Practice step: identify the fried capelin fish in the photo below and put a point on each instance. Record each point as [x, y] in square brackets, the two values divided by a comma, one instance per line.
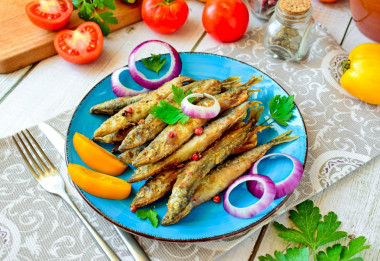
[194, 171]
[223, 175]
[140, 109]
[129, 155]
[197, 144]
[152, 125]
[161, 184]
[115, 105]
[163, 145]
[114, 138]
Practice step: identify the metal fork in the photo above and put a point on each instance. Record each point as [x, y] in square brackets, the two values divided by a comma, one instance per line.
[50, 179]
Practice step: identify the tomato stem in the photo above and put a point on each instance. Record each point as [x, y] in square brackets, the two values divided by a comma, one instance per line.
[166, 2]
[346, 65]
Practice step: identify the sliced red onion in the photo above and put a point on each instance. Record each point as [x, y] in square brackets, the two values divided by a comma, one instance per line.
[195, 111]
[284, 187]
[120, 89]
[152, 84]
[256, 208]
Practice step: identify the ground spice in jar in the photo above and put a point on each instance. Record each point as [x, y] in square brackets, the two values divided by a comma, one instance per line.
[288, 28]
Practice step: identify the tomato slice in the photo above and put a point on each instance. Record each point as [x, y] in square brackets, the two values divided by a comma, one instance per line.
[82, 45]
[49, 14]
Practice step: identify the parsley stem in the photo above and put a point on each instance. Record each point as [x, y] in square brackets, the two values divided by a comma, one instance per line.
[266, 120]
[314, 254]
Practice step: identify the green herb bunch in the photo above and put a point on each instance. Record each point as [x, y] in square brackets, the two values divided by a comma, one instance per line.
[88, 12]
[314, 232]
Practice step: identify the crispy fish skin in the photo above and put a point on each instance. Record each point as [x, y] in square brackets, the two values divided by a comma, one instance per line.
[194, 171]
[251, 140]
[115, 105]
[153, 125]
[115, 137]
[129, 155]
[196, 144]
[223, 175]
[163, 146]
[140, 109]
[162, 183]
[155, 188]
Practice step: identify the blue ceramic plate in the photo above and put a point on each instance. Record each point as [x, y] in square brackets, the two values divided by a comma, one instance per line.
[209, 221]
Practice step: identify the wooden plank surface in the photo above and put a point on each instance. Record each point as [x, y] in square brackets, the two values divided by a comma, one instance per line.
[22, 43]
[355, 200]
[55, 85]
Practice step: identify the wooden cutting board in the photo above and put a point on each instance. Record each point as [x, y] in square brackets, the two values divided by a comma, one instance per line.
[22, 43]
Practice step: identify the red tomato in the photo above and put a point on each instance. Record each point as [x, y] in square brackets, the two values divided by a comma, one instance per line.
[225, 20]
[164, 16]
[49, 14]
[83, 45]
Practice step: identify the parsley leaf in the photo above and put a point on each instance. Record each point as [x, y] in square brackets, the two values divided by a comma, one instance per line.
[88, 12]
[179, 95]
[308, 220]
[355, 246]
[150, 214]
[280, 108]
[76, 3]
[168, 113]
[292, 254]
[313, 232]
[154, 63]
[332, 253]
[341, 253]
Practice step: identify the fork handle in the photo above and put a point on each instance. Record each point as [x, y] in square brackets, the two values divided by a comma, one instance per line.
[107, 250]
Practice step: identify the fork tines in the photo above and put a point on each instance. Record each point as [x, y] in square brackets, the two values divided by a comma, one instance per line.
[37, 167]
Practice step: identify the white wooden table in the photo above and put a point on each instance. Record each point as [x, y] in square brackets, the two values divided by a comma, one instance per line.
[45, 89]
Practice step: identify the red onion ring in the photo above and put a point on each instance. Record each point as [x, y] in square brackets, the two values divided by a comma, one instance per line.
[256, 208]
[284, 187]
[174, 70]
[120, 89]
[195, 111]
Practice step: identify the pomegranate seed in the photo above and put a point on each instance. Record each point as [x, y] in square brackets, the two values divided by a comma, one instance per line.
[128, 110]
[216, 199]
[133, 208]
[198, 131]
[171, 134]
[195, 157]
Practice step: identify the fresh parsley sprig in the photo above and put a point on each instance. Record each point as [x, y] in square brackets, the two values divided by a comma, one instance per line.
[280, 109]
[291, 254]
[154, 63]
[312, 233]
[167, 112]
[88, 12]
[149, 214]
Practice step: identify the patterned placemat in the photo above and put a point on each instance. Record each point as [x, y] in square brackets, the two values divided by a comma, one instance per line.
[343, 134]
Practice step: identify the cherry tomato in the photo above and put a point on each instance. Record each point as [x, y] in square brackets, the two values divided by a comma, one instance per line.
[164, 16]
[225, 20]
[49, 14]
[83, 45]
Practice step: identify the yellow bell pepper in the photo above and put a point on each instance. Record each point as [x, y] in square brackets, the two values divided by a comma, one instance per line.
[361, 73]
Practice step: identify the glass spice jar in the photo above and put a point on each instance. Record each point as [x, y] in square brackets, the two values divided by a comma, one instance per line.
[262, 9]
[289, 30]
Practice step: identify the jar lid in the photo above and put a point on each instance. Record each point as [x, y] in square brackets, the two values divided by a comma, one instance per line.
[295, 7]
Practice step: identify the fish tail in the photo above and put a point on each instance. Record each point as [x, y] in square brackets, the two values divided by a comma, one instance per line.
[254, 80]
[282, 138]
[231, 79]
